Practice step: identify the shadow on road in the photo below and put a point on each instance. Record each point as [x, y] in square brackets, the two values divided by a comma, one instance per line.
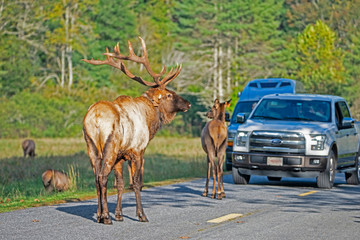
[176, 196]
[284, 194]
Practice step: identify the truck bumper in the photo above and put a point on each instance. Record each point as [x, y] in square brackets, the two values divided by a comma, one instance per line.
[279, 165]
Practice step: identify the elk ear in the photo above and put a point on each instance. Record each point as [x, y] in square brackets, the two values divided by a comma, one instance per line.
[216, 103]
[227, 104]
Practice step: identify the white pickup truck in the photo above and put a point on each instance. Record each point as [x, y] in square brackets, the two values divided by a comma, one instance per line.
[297, 135]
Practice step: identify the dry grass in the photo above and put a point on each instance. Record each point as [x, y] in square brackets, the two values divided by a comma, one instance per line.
[44, 147]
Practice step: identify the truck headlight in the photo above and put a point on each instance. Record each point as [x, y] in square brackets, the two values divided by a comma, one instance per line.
[242, 138]
[317, 141]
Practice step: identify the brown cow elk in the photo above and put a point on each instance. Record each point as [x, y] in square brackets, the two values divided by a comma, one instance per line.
[28, 147]
[55, 180]
[120, 131]
[214, 140]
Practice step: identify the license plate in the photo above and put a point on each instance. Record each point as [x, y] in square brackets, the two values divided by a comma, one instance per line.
[274, 161]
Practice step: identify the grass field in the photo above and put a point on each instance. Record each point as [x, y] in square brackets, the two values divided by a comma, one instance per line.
[166, 160]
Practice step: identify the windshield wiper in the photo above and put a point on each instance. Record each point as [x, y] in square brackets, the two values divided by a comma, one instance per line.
[299, 118]
[267, 117]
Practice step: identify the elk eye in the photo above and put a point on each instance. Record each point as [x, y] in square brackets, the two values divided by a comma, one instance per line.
[169, 95]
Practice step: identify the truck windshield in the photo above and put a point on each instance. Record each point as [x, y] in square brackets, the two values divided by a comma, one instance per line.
[243, 107]
[293, 110]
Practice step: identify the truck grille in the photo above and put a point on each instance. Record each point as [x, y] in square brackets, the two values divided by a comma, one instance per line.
[277, 142]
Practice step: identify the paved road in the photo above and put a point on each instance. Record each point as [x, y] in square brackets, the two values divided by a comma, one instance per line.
[275, 210]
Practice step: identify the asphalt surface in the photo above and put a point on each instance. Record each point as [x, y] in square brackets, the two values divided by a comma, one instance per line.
[290, 209]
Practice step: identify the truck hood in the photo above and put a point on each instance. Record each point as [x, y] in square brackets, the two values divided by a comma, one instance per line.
[288, 126]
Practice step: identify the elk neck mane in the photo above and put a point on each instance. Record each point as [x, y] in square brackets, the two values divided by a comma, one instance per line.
[165, 117]
[221, 116]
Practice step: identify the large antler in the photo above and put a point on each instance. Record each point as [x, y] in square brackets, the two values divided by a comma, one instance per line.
[114, 59]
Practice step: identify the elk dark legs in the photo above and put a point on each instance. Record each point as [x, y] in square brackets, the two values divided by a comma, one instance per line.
[120, 187]
[131, 176]
[96, 166]
[207, 178]
[131, 181]
[136, 162]
[108, 162]
[211, 157]
[220, 192]
[221, 159]
[103, 180]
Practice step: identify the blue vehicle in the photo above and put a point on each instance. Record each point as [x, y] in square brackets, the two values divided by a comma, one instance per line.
[251, 94]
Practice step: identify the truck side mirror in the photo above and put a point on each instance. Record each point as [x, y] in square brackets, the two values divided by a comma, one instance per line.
[240, 118]
[227, 117]
[347, 122]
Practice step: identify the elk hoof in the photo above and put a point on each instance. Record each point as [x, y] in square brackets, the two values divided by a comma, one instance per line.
[107, 220]
[223, 195]
[213, 196]
[99, 219]
[119, 217]
[143, 218]
[204, 194]
[219, 197]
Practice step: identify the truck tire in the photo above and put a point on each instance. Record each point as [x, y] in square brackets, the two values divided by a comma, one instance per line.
[274, 178]
[353, 177]
[239, 178]
[327, 177]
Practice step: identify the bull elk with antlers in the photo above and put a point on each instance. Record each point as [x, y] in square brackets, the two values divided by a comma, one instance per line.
[214, 140]
[120, 131]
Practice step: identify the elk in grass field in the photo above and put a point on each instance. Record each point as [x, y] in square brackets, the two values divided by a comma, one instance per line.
[28, 147]
[120, 130]
[214, 141]
[55, 180]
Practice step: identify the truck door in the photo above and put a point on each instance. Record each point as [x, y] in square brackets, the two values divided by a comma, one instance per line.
[346, 137]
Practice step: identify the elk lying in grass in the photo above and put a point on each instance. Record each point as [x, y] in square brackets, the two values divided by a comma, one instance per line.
[55, 180]
[120, 131]
[28, 147]
[213, 140]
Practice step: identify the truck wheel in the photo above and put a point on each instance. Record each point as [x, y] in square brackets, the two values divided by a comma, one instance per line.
[240, 178]
[327, 177]
[353, 177]
[274, 178]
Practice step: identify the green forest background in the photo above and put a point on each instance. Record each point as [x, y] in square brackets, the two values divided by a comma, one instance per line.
[45, 88]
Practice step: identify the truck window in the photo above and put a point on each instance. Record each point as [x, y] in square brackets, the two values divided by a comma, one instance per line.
[293, 110]
[344, 110]
[242, 107]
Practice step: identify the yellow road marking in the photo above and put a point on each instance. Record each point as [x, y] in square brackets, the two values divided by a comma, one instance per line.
[307, 193]
[228, 217]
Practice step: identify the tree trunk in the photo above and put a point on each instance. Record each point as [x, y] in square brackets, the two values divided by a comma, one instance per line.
[62, 83]
[237, 54]
[215, 71]
[69, 60]
[228, 75]
[69, 50]
[221, 90]
[67, 18]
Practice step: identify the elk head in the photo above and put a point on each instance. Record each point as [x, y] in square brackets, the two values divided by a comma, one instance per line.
[217, 111]
[163, 98]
